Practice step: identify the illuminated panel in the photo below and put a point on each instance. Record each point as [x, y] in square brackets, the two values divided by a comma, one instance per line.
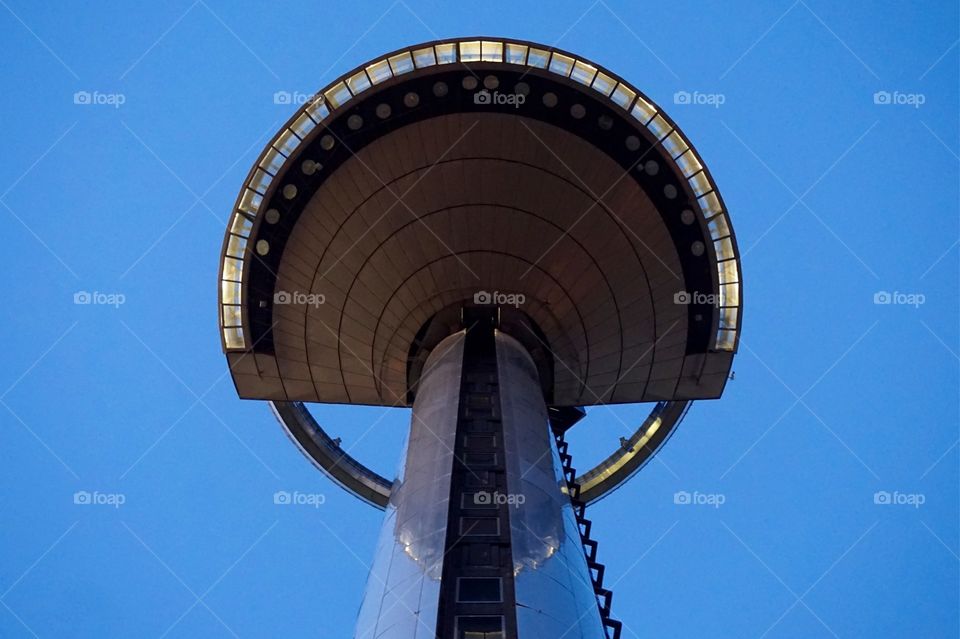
[604, 84]
[517, 53]
[623, 96]
[537, 58]
[424, 57]
[561, 64]
[231, 285]
[469, 51]
[491, 51]
[643, 111]
[583, 72]
[358, 83]
[401, 63]
[446, 53]
[379, 71]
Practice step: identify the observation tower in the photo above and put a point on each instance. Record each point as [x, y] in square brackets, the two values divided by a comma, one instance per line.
[497, 234]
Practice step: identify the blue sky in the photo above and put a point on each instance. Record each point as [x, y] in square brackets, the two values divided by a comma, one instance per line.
[834, 198]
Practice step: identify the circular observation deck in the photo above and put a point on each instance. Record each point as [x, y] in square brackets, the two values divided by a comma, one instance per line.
[480, 172]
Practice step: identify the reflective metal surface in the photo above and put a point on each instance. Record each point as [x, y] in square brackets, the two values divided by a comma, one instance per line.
[327, 455]
[365, 484]
[633, 452]
[554, 592]
[403, 588]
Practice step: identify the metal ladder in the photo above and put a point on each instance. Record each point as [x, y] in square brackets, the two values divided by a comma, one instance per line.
[612, 627]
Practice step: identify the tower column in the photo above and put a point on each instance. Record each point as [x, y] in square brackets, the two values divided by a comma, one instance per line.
[479, 538]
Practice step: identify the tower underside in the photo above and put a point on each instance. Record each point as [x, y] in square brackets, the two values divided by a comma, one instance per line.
[490, 172]
[480, 537]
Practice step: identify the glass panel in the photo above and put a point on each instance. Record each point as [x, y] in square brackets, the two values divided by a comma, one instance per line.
[232, 269]
[675, 144]
[469, 51]
[241, 225]
[700, 183]
[272, 161]
[446, 53]
[260, 181]
[604, 83]
[689, 163]
[337, 94]
[401, 63]
[230, 292]
[561, 64]
[730, 294]
[709, 204]
[492, 51]
[236, 246]
[623, 96]
[727, 271]
[358, 83]
[424, 57]
[718, 227]
[659, 127]
[233, 337]
[379, 71]
[538, 58]
[724, 248]
[517, 53]
[643, 110]
[728, 317]
[725, 340]
[318, 109]
[303, 125]
[231, 315]
[583, 72]
[250, 202]
[287, 142]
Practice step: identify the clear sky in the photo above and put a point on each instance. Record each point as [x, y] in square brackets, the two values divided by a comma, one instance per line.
[835, 195]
